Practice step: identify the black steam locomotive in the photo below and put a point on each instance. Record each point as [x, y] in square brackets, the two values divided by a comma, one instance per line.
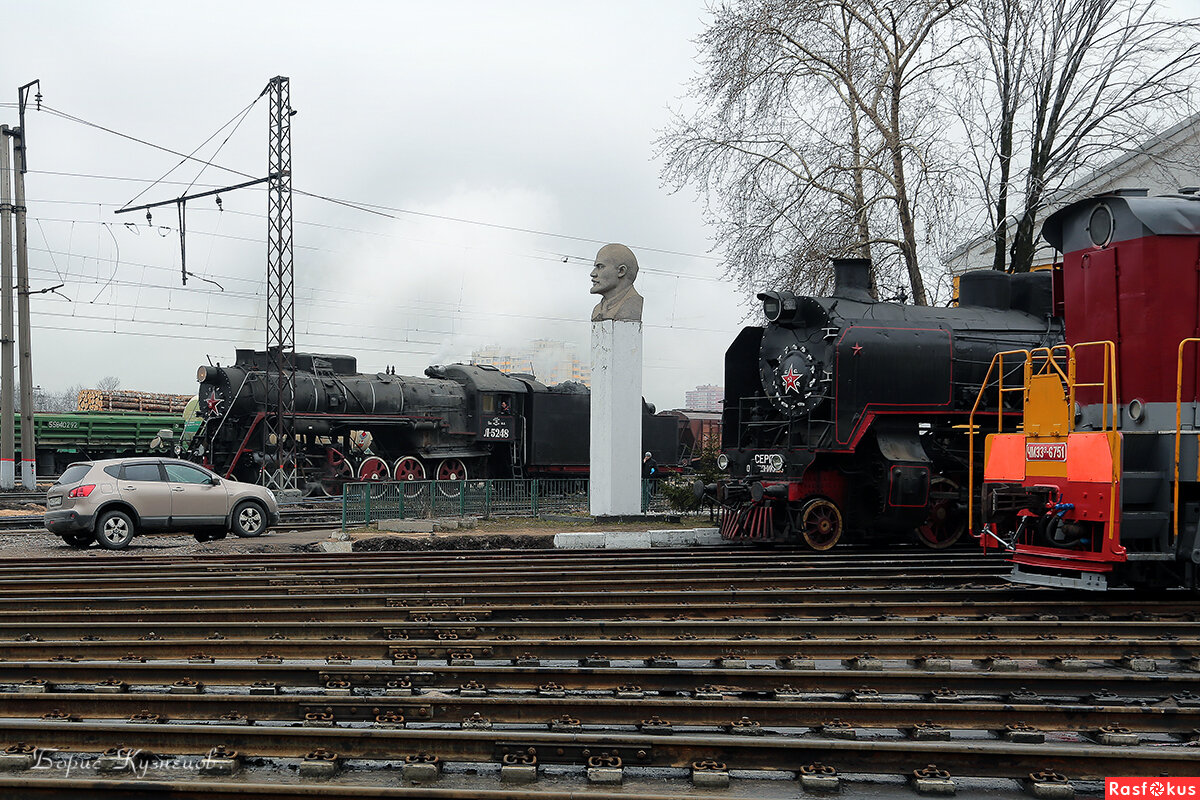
[847, 415]
[456, 423]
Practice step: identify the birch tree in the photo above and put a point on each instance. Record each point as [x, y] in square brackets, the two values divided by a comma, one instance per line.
[1066, 86]
[814, 134]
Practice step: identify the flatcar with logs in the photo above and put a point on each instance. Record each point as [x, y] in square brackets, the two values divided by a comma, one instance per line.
[845, 417]
[1100, 484]
[457, 422]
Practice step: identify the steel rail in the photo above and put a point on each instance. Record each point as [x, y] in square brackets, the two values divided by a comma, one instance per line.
[801, 602]
[641, 605]
[157, 788]
[498, 570]
[734, 627]
[615, 648]
[526, 558]
[966, 714]
[971, 757]
[1139, 687]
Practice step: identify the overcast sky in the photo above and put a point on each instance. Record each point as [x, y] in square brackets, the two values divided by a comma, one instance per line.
[539, 116]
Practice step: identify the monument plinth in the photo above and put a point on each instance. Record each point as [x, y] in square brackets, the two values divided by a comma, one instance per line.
[616, 404]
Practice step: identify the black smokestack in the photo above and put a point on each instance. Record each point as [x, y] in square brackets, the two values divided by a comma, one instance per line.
[852, 279]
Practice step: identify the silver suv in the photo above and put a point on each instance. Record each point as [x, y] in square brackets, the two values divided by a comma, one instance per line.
[110, 501]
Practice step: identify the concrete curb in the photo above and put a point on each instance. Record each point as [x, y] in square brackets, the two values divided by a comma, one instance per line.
[685, 537]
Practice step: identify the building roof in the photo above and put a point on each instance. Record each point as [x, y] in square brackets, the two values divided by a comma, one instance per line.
[1152, 165]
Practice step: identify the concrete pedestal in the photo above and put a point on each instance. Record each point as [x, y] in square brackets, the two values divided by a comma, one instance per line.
[616, 435]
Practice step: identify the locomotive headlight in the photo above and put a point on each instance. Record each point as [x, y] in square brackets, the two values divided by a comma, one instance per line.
[202, 375]
[778, 307]
[722, 461]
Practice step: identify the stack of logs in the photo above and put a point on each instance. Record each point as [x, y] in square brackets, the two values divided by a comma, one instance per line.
[120, 400]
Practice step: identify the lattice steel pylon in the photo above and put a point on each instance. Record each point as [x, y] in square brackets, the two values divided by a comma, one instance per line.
[279, 439]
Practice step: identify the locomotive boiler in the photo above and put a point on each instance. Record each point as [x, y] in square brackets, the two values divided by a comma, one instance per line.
[454, 423]
[846, 416]
[1100, 486]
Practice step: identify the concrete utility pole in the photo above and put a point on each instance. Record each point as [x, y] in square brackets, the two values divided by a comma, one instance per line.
[7, 432]
[28, 444]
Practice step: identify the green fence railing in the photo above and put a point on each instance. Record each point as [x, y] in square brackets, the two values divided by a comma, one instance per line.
[368, 502]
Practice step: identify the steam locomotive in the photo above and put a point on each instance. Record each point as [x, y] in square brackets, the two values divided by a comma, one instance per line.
[847, 416]
[1101, 484]
[456, 423]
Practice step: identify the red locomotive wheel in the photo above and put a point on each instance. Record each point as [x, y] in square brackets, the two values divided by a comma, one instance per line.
[409, 468]
[451, 470]
[335, 472]
[374, 469]
[820, 524]
[947, 518]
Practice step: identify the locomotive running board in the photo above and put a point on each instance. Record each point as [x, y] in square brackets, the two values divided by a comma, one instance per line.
[1088, 581]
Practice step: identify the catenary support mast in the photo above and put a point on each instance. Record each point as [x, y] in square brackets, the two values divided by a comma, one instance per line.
[279, 428]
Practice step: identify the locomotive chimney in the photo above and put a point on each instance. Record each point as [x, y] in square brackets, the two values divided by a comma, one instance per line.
[852, 279]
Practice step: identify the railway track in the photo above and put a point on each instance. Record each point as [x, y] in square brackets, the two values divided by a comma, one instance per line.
[674, 672]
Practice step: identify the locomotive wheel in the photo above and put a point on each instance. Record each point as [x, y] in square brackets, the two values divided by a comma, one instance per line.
[374, 469]
[451, 470]
[947, 518]
[409, 469]
[335, 472]
[820, 524]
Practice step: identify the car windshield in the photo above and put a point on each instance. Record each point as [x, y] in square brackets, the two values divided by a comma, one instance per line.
[73, 474]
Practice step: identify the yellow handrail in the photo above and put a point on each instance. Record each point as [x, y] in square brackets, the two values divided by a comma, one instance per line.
[1050, 361]
[1178, 425]
[997, 361]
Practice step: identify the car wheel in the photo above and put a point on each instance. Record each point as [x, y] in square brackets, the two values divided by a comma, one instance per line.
[80, 540]
[114, 531]
[249, 519]
[209, 536]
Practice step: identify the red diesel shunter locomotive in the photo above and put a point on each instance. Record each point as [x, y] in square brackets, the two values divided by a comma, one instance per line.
[1099, 485]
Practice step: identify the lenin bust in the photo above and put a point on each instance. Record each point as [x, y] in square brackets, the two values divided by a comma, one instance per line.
[612, 279]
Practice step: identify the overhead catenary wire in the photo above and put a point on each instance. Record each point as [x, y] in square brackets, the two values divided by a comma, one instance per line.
[542, 256]
[370, 208]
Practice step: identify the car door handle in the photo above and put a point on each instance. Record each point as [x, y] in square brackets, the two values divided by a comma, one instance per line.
[131, 488]
[176, 488]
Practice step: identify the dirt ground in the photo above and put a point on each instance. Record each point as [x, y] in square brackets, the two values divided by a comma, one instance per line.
[489, 534]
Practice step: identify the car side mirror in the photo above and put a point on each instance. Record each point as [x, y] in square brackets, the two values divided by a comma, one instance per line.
[215, 481]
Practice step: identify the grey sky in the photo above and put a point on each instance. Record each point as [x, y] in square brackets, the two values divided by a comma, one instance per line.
[539, 116]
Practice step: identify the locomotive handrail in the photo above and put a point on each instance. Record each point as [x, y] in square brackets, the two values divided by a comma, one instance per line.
[1108, 402]
[997, 362]
[1178, 425]
[1109, 357]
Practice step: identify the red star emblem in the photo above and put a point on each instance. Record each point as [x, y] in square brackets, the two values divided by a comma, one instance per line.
[212, 402]
[857, 349]
[791, 379]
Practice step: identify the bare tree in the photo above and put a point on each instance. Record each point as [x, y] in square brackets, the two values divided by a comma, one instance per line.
[1074, 83]
[109, 383]
[815, 133]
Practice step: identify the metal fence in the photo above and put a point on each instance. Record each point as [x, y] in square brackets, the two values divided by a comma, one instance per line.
[365, 503]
